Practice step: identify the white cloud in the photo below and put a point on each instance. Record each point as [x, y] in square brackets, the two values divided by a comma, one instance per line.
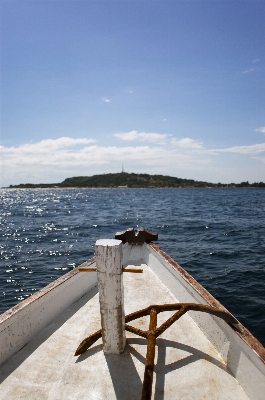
[248, 70]
[63, 152]
[45, 146]
[187, 143]
[255, 61]
[106, 100]
[52, 160]
[143, 137]
[49, 160]
[252, 149]
[261, 129]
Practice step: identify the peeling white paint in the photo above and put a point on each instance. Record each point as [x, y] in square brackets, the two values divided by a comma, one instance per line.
[111, 296]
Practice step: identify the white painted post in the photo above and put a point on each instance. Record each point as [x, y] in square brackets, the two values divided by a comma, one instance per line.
[110, 287]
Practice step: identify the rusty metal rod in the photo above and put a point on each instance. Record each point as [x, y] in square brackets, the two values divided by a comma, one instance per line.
[177, 306]
[170, 321]
[94, 269]
[134, 270]
[137, 314]
[136, 331]
[87, 342]
[150, 357]
[195, 307]
[182, 307]
[212, 310]
[87, 269]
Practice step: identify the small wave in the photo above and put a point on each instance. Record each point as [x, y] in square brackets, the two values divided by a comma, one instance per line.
[217, 236]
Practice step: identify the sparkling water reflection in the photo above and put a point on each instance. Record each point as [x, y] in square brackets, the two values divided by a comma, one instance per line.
[217, 235]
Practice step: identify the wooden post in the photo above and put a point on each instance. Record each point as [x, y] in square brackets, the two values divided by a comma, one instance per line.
[110, 287]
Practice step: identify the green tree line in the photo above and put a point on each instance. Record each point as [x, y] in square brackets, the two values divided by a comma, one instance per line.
[134, 181]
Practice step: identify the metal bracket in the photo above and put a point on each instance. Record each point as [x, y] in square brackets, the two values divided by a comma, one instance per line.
[94, 269]
[142, 236]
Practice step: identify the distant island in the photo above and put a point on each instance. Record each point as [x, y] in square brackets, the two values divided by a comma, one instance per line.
[132, 180]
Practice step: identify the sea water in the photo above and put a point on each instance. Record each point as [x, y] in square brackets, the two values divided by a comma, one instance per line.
[217, 235]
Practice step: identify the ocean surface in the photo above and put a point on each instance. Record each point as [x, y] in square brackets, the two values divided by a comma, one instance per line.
[217, 235]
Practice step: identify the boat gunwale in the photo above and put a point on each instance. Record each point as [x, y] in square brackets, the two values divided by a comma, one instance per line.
[239, 329]
[40, 293]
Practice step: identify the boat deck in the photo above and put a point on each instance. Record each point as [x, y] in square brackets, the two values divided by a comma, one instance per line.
[187, 366]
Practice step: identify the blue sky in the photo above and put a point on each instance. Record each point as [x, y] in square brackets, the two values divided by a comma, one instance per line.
[162, 87]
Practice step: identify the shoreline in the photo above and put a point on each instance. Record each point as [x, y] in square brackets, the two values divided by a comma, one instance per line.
[133, 187]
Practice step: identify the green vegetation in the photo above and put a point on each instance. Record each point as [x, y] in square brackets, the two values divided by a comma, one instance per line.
[129, 180]
[132, 180]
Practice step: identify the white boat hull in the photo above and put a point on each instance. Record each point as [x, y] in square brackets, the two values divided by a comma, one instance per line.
[200, 356]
